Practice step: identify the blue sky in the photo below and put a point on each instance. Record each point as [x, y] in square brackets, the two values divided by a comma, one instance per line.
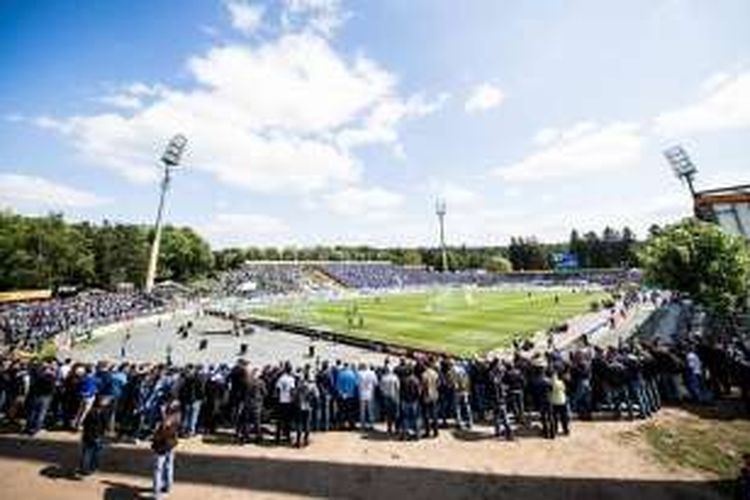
[326, 121]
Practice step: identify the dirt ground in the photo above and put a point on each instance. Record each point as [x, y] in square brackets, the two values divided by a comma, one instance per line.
[598, 460]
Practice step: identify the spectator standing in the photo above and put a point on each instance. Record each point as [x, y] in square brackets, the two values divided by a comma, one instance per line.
[94, 426]
[559, 401]
[163, 445]
[498, 399]
[86, 393]
[410, 396]
[430, 395]
[324, 381]
[346, 387]
[191, 397]
[253, 407]
[42, 390]
[285, 396]
[462, 405]
[694, 375]
[305, 394]
[367, 381]
[390, 390]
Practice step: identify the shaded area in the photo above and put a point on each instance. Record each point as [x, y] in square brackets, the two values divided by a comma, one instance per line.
[340, 480]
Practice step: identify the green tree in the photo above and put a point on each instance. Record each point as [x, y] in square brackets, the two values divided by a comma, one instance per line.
[498, 264]
[700, 260]
[183, 255]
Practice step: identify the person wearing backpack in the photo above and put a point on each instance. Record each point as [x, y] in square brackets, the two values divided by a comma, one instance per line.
[163, 444]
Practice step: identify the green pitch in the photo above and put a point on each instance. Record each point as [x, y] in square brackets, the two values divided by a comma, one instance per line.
[460, 321]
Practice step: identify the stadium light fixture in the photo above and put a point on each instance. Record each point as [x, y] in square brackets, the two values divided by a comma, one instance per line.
[682, 165]
[440, 210]
[170, 159]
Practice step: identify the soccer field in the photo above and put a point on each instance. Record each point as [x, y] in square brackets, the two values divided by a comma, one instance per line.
[459, 321]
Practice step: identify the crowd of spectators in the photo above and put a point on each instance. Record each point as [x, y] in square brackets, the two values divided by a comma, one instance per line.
[28, 324]
[413, 397]
[379, 275]
[265, 278]
[408, 399]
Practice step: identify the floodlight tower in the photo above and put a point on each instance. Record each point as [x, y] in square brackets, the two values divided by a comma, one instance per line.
[440, 211]
[170, 159]
[683, 167]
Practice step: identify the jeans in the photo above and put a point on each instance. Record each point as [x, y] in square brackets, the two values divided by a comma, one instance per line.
[38, 413]
[284, 422]
[478, 393]
[545, 415]
[365, 413]
[302, 426]
[83, 409]
[463, 410]
[637, 395]
[694, 384]
[90, 456]
[620, 396]
[390, 413]
[652, 391]
[190, 420]
[445, 405]
[429, 414]
[163, 473]
[410, 422]
[500, 418]
[581, 400]
[323, 410]
[515, 398]
[560, 416]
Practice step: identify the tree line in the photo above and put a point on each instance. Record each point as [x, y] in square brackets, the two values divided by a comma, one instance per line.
[612, 249]
[49, 252]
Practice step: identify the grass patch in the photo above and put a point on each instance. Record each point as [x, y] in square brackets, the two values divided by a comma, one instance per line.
[712, 446]
[459, 321]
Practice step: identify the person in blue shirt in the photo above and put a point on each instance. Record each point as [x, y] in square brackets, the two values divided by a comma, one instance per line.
[118, 380]
[87, 389]
[346, 389]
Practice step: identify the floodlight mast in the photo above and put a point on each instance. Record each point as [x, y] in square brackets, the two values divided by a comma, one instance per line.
[440, 211]
[682, 166]
[170, 159]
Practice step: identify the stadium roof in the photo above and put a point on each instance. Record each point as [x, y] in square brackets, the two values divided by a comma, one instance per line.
[729, 207]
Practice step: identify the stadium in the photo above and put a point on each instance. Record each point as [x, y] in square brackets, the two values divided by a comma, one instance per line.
[415, 250]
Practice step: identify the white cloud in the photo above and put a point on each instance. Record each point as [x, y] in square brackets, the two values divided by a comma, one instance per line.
[484, 97]
[546, 136]
[245, 16]
[374, 203]
[27, 190]
[320, 16]
[122, 101]
[584, 148]
[380, 124]
[454, 195]
[724, 104]
[278, 116]
[238, 229]
[133, 96]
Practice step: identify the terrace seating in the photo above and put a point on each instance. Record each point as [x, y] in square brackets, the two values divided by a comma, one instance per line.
[30, 323]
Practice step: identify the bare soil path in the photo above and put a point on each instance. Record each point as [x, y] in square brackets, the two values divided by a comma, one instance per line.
[598, 460]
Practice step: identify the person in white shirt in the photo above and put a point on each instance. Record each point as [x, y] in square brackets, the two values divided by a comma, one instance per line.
[390, 387]
[285, 396]
[366, 383]
[694, 376]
